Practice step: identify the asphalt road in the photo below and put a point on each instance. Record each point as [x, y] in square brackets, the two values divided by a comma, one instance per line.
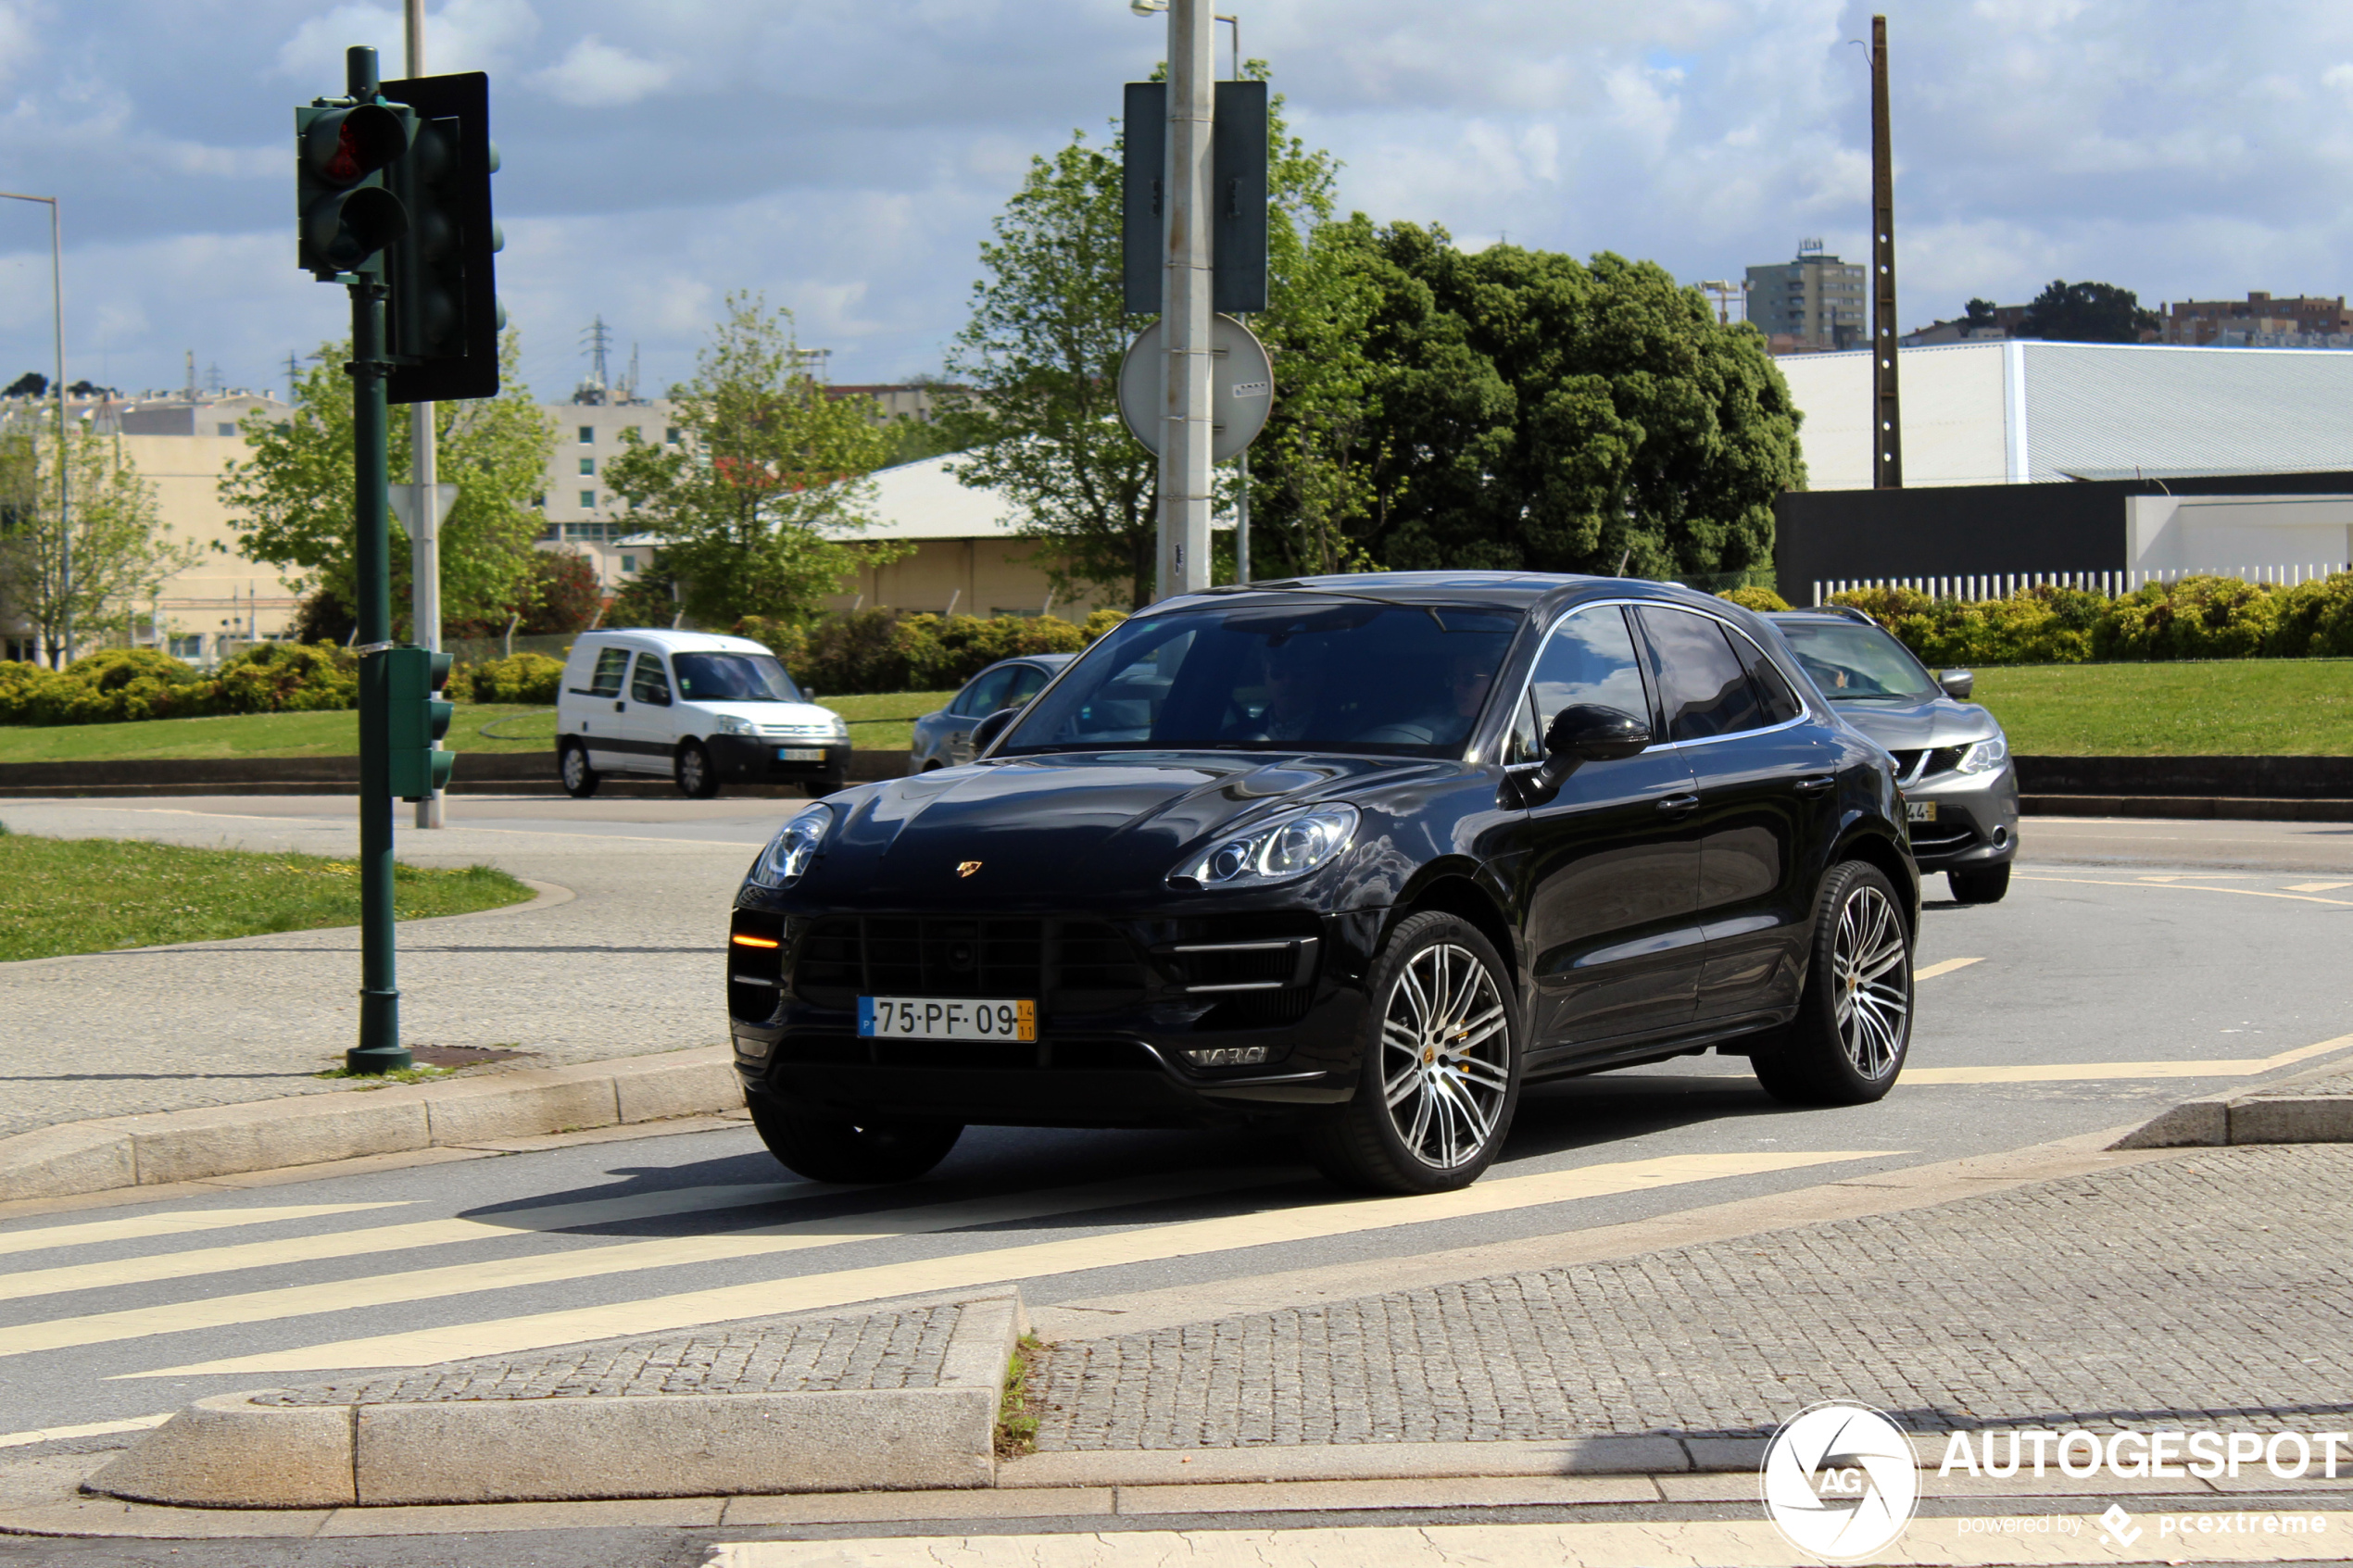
[2134, 964]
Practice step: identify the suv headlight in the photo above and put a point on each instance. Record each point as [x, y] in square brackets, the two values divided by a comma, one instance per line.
[1984, 757]
[737, 724]
[1277, 852]
[790, 853]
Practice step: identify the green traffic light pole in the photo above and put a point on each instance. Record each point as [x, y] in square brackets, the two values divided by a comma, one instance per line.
[379, 1050]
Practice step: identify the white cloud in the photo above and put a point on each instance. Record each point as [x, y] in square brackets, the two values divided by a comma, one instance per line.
[462, 35]
[595, 74]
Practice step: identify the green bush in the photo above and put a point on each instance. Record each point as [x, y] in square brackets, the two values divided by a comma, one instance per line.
[1755, 598]
[2315, 620]
[1100, 623]
[523, 677]
[877, 650]
[287, 678]
[2195, 618]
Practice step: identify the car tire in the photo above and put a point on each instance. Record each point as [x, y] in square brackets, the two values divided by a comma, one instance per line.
[580, 780]
[1854, 1024]
[828, 1148]
[696, 778]
[1985, 884]
[1432, 1105]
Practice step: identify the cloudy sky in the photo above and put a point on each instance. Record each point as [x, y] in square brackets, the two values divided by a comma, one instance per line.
[845, 156]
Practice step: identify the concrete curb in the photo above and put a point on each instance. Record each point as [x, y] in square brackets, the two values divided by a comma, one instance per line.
[2198, 808]
[230, 1452]
[2276, 1113]
[178, 1146]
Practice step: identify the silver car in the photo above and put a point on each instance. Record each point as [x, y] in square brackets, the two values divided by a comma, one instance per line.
[1960, 789]
[944, 739]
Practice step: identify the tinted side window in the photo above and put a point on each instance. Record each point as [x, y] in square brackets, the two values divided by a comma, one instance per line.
[611, 663]
[1772, 687]
[1700, 682]
[984, 697]
[1589, 657]
[650, 681]
[1027, 683]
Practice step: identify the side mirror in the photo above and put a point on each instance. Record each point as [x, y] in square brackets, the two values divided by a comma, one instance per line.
[985, 733]
[1957, 684]
[1583, 732]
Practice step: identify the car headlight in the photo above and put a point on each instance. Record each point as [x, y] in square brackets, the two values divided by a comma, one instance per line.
[1984, 757]
[737, 724]
[796, 845]
[1277, 852]
[841, 726]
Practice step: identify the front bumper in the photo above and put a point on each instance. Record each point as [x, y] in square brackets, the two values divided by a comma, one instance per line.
[1976, 819]
[1115, 1056]
[753, 760]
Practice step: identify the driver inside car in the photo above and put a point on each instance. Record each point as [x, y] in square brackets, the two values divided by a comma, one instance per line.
[1292, 671]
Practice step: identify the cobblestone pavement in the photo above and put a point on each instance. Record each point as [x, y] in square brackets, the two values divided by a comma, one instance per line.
[883, 1351]
[630, 965]
[2336, 1087]
[2197, 1289]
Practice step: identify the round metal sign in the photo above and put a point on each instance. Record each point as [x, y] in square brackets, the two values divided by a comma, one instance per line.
[1242, 387]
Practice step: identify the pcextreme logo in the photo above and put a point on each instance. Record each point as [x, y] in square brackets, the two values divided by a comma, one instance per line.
[1839, 1480]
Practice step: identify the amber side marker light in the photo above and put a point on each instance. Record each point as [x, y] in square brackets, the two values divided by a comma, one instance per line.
[742, 941]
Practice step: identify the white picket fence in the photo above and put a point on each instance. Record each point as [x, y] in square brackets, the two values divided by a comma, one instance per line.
[2002, 585]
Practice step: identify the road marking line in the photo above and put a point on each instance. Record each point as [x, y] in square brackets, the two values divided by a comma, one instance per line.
[2086, 1072]
[2316, 887]
[387, 1238]
[958, 1271]
[88, 1429]
[1948, 967]
[177, 1223]
[619, 837]
[2190, 887]
[590, 1262]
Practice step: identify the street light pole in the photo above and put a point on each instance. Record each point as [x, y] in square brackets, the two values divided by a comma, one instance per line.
[57, 308]
[424, 515]
[1185, 471]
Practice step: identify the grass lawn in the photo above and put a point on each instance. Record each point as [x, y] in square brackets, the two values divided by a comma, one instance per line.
[88, 895]
[878, 723]
[2226, 708]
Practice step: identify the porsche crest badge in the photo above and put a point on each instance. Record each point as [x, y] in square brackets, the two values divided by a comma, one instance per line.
[966, 868]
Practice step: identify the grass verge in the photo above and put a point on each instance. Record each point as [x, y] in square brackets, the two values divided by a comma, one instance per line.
[60, 896]
[884, 723]
[2223, 707]
[1017, 1423]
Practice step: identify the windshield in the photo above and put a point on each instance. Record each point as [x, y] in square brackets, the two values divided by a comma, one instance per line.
[734, 677]
[1850, 661]
[1316, 675]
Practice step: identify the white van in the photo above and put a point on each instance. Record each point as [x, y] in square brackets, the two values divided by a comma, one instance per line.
[700, 708]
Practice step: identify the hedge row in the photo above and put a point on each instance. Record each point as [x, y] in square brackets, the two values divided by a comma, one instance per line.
[877, 650]
[120, 684]
[2195, 618]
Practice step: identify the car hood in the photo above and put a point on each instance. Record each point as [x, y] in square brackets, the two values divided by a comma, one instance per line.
[1108, 821]
[1900, 724]
[767, 713]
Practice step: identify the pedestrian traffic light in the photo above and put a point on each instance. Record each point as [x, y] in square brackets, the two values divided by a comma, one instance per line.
[346, 215]
[415, 717]
[443, 318]
[1237, 197]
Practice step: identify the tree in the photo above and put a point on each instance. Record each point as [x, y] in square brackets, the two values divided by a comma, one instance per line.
[121, 552]
[1523, 411]
[1979, 313]
[32, 383]
[1042, 350]
[769, 472]
[292, 500]
[2087, 313]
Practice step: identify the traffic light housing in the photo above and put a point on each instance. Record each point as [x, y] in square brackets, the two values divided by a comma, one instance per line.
[346, 215]
[415, 717]
[443, 317]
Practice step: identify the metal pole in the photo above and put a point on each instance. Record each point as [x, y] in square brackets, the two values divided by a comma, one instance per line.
[379, 1050]
[424, 537]
[1887, 424]
[1185, 315]
[1241, 463]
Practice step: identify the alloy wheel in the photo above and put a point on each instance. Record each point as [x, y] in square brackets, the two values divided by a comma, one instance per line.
[690, 771]
[1445, 1055]
[575, 768]
[1873, 974]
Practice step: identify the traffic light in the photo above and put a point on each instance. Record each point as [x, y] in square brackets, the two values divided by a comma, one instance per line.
[346, 215]
[415, 717]
[445, 318]
[1237, 197]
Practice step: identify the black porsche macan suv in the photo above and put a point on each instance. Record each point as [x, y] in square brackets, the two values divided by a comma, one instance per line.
[1367, 853]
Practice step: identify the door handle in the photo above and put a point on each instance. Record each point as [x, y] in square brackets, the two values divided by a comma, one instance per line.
[1676, 805]
[620, 708]
[1816, 785]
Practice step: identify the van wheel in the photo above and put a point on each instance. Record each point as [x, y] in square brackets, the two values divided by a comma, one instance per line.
[835, 1149]
[572, 766]
[697, 780]
[1854, 1024]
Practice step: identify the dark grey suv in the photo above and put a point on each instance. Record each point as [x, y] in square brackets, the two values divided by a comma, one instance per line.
[1960, 789]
